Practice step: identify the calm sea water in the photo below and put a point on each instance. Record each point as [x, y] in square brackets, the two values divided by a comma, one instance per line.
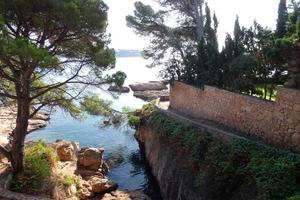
[132, 173]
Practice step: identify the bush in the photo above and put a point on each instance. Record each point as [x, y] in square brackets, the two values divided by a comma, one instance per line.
[68, 180]
[118, 78]
[133, 121]
[42, 151]
[39, 159]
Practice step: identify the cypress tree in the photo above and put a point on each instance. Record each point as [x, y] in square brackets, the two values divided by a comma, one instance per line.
[282, 19]
[237, 29]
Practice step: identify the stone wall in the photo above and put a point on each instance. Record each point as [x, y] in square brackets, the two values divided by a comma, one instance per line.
[277, 122]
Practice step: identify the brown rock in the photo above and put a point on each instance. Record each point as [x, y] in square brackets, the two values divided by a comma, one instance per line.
[152, 95]
[66, 150]
[90, 158]
[154, 85]
[102, 185]
[85, 191]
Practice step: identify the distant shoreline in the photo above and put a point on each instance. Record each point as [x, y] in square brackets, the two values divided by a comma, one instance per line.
[123, 53]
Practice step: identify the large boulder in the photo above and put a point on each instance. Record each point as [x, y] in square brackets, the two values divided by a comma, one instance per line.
[66, 151]
[85, 191]
[155, 85]
[90, 158]
[101, 185]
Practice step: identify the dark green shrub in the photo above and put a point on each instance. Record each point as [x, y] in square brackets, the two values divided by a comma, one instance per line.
[276, 176]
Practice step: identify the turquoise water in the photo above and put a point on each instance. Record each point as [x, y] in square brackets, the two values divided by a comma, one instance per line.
[132, 173]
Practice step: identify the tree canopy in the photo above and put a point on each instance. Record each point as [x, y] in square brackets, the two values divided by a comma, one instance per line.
[251, 61]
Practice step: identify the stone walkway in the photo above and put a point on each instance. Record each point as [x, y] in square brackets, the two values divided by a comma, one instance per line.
[201, 124]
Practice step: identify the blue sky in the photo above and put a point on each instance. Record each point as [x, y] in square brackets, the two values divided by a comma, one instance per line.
[264, 11]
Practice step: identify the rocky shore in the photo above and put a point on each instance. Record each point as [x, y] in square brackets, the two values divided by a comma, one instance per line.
[150, 91]
[8, 122]
[92, 169]
[87, 166]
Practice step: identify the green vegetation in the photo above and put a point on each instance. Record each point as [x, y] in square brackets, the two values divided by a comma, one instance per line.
[67, 181]
[39, 160]
[118, 78]
[133, 121]
[222, 166]
[93, 105]
[269, 93]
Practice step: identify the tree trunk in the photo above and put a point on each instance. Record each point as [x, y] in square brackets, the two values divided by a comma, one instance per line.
[20, 131]
[19, 134]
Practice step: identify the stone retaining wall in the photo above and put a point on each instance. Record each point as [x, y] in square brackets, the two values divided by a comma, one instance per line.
[274, 122]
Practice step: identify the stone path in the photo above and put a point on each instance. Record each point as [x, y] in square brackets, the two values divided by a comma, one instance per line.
[202, 124]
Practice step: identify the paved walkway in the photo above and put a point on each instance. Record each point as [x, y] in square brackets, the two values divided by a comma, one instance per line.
[202, 124]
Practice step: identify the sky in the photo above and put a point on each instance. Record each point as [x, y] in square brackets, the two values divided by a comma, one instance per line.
[264, 11]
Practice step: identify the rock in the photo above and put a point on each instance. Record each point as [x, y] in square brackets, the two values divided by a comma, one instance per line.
[8, 120]
[105, 168]
[119, 89]
[85, 191]
[34, 124]
[86, 173]
[114, 159]
[154, 85]
[66, 150]
[42, 116]
[90, 158]
[125, 195]
[65, 153]
[102, 185]
[72, 190]
[152, 95]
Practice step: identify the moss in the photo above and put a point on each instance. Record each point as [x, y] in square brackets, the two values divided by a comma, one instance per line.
[224, 165]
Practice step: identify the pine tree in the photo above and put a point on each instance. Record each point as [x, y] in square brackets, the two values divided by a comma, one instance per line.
[282, 19]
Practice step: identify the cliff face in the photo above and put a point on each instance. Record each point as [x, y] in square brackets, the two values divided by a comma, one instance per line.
[195, 166]
[169, 165]
[190, 163]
